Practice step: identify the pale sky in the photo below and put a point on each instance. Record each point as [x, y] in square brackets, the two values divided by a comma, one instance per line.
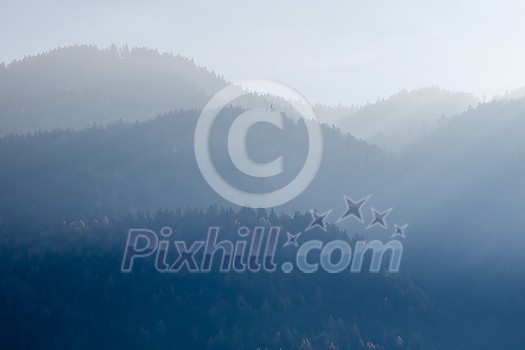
[330, 51]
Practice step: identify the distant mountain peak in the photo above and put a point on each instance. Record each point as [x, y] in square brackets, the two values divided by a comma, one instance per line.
[398, 121]
[78, 85]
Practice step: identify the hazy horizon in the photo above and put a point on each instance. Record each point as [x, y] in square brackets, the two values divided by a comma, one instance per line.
[348, 53]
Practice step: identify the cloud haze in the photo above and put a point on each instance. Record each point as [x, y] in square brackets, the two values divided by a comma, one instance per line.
[345, 51]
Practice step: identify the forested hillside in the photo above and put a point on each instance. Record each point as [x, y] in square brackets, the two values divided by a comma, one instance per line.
[59, 281]
[396, 123]
[76, 87]
[98, 142]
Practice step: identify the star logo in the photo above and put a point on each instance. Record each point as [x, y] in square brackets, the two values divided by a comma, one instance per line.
[379, 218]
[318, 220]
[399, 231]
[353, 208]
[292, 239]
